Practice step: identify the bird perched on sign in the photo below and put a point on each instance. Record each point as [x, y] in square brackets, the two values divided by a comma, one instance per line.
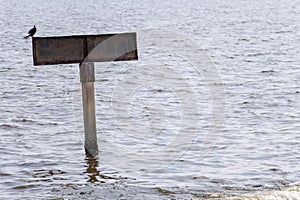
[31, 32]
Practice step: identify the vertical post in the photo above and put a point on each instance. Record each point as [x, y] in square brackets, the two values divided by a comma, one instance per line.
[87, 78]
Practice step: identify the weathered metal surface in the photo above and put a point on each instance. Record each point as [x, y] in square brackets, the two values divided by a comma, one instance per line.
[112, 48]
[58, 50]
[88, 101]
[89, 48]
[87, 72]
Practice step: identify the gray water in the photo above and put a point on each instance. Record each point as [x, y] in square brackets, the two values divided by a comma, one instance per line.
[254, 45]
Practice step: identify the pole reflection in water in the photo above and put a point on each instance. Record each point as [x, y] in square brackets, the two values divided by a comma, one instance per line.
[92, 168]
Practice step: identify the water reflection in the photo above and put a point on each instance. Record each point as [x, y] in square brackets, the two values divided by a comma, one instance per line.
[92, 168]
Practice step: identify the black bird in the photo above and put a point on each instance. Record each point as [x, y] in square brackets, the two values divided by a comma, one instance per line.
[31, 32]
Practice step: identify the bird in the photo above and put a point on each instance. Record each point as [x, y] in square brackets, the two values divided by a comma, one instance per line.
[31, 32]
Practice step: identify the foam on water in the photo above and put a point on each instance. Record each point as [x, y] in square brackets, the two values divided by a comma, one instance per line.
[288, 192]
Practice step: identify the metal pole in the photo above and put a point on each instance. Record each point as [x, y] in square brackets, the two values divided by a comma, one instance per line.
[87, 78]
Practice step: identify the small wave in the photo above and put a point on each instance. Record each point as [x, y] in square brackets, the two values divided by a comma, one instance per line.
[22, 120]
[8, 126]
[267, 71]
[23, 187]
[46, 173]
[290, 192]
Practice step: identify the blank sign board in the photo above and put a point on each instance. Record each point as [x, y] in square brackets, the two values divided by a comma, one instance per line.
[88, 48]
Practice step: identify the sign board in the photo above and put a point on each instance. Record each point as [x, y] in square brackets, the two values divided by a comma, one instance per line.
[89, 48]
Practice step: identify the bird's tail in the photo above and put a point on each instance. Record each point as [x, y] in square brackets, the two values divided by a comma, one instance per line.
[26, 37]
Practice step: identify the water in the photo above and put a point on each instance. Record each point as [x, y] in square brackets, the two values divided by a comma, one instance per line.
[255, 47]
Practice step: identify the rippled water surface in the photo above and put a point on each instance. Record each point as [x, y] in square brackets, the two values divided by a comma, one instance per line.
[254, 46]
